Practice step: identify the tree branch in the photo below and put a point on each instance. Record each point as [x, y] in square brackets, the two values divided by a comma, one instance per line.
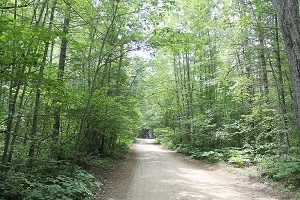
[12, 7]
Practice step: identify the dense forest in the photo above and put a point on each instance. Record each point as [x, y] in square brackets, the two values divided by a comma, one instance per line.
[217, 80]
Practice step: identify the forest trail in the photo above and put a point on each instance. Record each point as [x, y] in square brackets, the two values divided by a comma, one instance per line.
[151, 172]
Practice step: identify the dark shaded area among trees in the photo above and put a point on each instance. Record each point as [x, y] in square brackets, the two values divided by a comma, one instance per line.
[218, 80]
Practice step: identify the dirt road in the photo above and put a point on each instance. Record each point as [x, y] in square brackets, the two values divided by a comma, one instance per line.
[154, 173]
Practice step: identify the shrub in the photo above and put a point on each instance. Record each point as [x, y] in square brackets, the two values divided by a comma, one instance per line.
[282, 168]
[38, 185]
[211, 156]
[236, 157]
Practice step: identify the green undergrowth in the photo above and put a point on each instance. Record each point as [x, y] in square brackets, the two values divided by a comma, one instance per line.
[284, 169]
[49, 180]
[238, 157]
[106, 158]
[235, 156]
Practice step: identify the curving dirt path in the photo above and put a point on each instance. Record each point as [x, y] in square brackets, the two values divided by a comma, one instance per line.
[151, 172]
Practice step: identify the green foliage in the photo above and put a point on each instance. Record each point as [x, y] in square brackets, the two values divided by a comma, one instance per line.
[165, 136]
[233, 156]
[120, 149]
[163, 132]
[110, 126]
[238, 157]
[211, 156]
[282, 168]
[206, 92]
[40, 184]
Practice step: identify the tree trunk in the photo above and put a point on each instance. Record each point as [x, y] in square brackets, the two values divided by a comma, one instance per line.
[60, 75]
[37, 106]
[11, 105]
[18, 121]
[189, 99]
[263, 61]
[177, 91]
[281, 93]
[288, 18]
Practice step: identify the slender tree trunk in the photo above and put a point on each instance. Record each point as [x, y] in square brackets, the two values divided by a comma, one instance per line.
[18, 120]
[282, 110]
[12, 99]
[37, 106]
[177, 91]
[9, 125]
[189, 97]
[280, 87]
[181, 86]
[119, 77]
[60, 75]
[89, 68]
[2, 96]
[288, 18]
[262, 57]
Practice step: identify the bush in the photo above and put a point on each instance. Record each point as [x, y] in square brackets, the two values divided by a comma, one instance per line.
[282, 168]
[238, 157]
[38, 185]
[165, 141]
[182, 148]
[165, 137]
[212, 156]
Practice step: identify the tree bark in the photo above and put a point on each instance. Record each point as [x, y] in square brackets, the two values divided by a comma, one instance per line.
[60, 75]
[289, 21]
[189, 99]
[281, 93]
[12, 105]
[37, 106]
[263, 61]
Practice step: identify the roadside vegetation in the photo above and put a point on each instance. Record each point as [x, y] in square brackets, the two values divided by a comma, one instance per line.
[79, 79]
[223, 87]
[67, 94]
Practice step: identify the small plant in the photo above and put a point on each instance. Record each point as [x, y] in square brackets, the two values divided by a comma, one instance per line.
[211, 156]
[238, 161]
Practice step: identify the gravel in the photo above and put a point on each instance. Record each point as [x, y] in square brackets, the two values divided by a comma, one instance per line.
[151, 172]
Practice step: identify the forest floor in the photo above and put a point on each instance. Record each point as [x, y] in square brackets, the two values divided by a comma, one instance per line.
[151, 172]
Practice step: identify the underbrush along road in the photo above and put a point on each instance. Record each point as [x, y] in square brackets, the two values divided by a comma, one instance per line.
[160, 174]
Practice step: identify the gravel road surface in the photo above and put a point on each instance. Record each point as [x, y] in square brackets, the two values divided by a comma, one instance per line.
[151, 172]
